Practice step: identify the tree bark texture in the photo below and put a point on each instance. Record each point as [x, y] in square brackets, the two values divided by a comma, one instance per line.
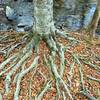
[43, 15]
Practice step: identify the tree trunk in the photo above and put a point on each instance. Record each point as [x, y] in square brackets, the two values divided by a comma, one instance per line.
[95, 20]
[43, 15]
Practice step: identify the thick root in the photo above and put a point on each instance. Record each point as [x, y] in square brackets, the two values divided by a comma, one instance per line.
[27, 51]
[65, 35]
[19, 60]
[57, 76]
[14, 69]
[20, 76]
[85, 93]
[2, 65]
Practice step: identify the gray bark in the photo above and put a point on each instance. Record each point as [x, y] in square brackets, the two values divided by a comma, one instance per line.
[43, 15]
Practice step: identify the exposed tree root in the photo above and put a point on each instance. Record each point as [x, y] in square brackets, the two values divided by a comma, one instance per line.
[66, 36]
[14, 69]
[2, 52]
[94, 79]
[2, 65]
[30, 84]
[1, 97]
[19, 60]
[58, 77]
[80, 70]
[5, 70]
[91, 65]
[46, 87]
[27, 51]
[86, 93]
[20, 76]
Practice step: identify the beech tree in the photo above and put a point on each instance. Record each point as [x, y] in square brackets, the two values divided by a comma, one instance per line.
[43, 30]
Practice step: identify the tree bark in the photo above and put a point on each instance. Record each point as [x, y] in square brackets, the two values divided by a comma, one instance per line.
[43, 15]
[95, 20]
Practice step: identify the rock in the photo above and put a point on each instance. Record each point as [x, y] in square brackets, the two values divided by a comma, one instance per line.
[3, 27]
[24, 23]
[72, 22]
[24, 8]
[10, 13]
[2, 2]
[70, 4]
[20, 29]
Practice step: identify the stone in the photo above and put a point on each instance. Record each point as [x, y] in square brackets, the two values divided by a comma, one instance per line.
[23, 8]
[72, 22]
[10, 13]
[3, 27]
[70, 4]
[24, 23]
[20, 29]
[67, 11]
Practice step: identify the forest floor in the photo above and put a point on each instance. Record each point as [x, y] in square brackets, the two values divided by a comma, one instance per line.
[35, 80]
